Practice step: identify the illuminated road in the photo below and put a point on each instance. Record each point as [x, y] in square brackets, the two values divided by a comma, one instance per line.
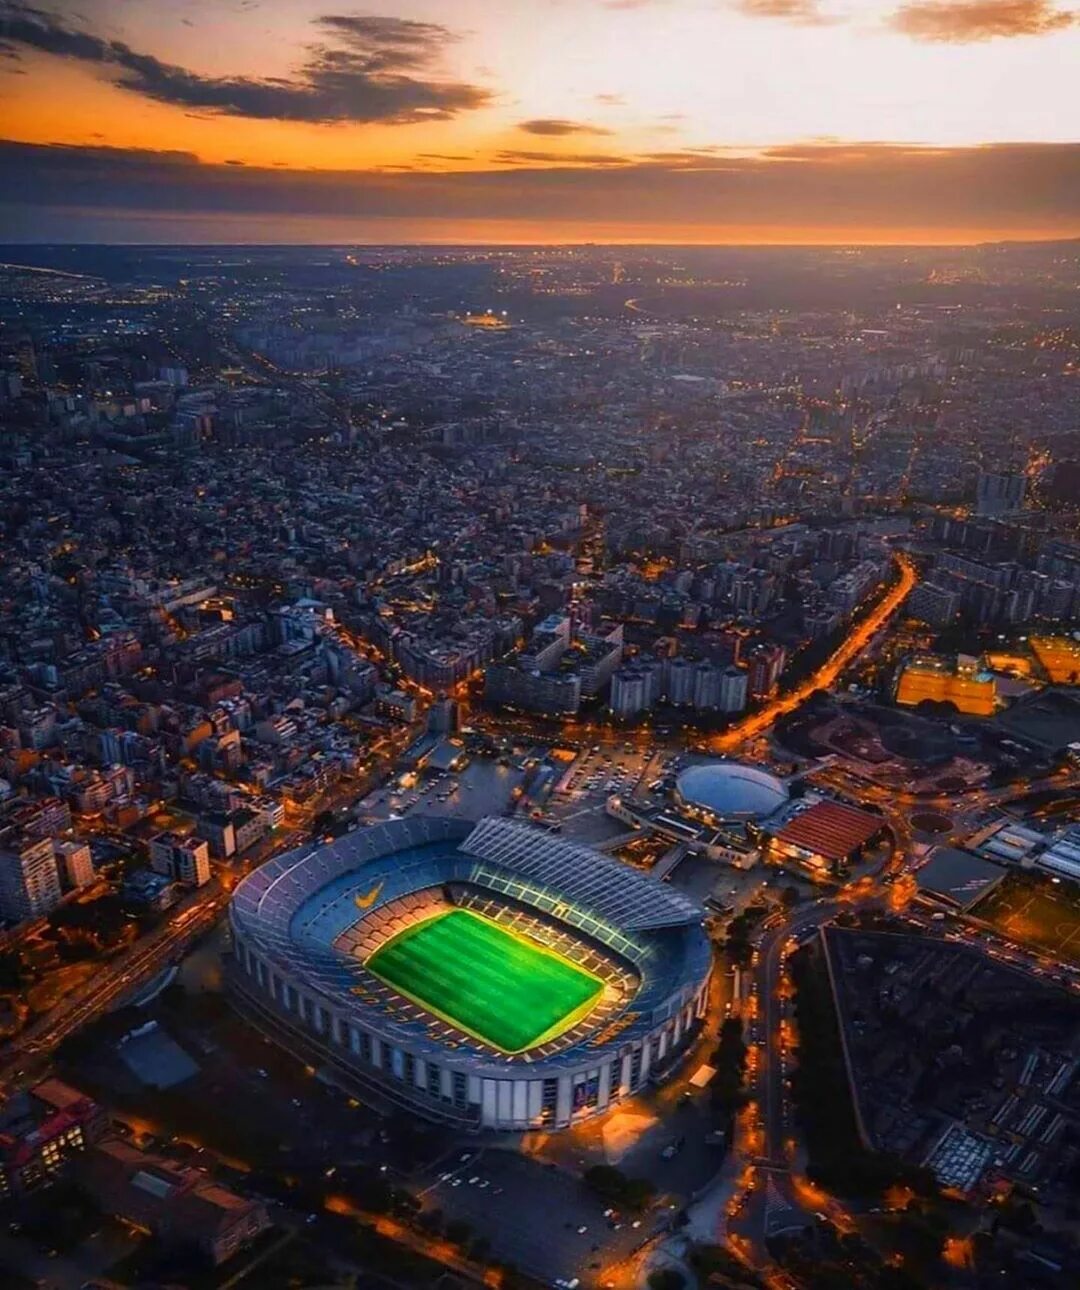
[853, 645]
[122, 976]
[111, 983]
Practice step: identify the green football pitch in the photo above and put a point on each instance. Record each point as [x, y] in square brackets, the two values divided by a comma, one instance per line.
[499, 987]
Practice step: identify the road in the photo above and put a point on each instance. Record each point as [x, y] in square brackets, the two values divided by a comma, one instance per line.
[110, 983]
[26, 1055]
[771, 1002]
[861, 635]
[771, 1196]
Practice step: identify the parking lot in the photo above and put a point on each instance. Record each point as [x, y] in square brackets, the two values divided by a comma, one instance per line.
[580, 793]
[537, 1217]
[598, 772]
[483, 787]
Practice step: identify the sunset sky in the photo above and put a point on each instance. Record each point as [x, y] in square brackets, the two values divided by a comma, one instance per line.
[540, 120]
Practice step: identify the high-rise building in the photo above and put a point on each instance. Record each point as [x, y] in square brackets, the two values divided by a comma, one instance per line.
[558, 693]
[679, 680]
[932, 604]
[998, 494]
[765, 663]
[29, 882]
[75, 862]
[443, 717]
[635, 687]
[186, 860]
[733, 687]
[707, 678]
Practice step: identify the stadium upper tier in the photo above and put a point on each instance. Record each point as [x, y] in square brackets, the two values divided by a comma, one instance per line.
[611, 891]
[307, 923]
[307, 897]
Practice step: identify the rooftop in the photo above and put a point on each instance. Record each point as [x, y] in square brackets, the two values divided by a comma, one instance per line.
[831, 829]
[731, 790]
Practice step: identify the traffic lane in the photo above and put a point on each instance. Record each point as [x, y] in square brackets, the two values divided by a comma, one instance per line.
[771, 1069]
[532, 1214]
[124, 975]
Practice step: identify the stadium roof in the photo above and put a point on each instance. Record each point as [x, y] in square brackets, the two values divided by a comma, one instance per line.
[830, 829]
[732, 790]
[612, 891]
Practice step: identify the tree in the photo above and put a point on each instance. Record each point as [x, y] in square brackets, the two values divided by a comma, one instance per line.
[104, 921]
[727, 1090]
[666, 1279]
[459, 1232]
[789, 897]
[614, 1185]
[11, 970]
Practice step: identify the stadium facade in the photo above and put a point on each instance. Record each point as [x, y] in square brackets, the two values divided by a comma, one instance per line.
[311, 966]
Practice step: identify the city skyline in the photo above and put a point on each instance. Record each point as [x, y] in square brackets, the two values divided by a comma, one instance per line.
[754, 121]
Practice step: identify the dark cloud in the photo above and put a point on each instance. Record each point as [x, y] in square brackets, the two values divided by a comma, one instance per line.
[964, 22]
[562, 158]
[362, 70]
[852, 189]
[688, 158]
[806, 13]
[557, 127]
[386, 44]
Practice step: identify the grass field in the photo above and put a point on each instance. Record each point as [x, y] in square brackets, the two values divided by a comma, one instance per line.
[1034, 911]
[499, 987]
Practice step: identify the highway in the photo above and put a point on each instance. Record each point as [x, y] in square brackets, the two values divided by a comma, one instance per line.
[771, 1001]
[110, 983]
[861, 635]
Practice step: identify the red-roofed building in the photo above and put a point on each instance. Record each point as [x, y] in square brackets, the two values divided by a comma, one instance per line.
[180, 1206]
[40, 1130]
[825, 837]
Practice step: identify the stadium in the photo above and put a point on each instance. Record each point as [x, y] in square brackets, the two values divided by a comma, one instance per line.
[488, 975]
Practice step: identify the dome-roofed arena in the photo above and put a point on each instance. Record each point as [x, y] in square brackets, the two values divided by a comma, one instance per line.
[730, 791]
[490, 975]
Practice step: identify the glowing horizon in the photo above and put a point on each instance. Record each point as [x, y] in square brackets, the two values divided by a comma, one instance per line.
[351, 105]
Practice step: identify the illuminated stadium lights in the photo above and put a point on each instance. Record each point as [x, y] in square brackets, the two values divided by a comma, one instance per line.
[490, 976]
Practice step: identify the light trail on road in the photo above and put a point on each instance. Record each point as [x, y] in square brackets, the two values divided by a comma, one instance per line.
[826, 675]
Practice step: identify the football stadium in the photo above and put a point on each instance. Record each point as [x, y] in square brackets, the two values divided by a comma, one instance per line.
[488, 975]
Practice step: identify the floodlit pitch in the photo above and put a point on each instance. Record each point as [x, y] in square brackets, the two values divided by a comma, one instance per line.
[503, 989]
[1036, 912]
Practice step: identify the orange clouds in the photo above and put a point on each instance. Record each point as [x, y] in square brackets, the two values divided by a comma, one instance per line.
[357, 69]
[969, 21]
[807, 12]
[558, 127]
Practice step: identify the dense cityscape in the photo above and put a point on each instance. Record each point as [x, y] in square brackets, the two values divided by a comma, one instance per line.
[540, 645]
[707, 617]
